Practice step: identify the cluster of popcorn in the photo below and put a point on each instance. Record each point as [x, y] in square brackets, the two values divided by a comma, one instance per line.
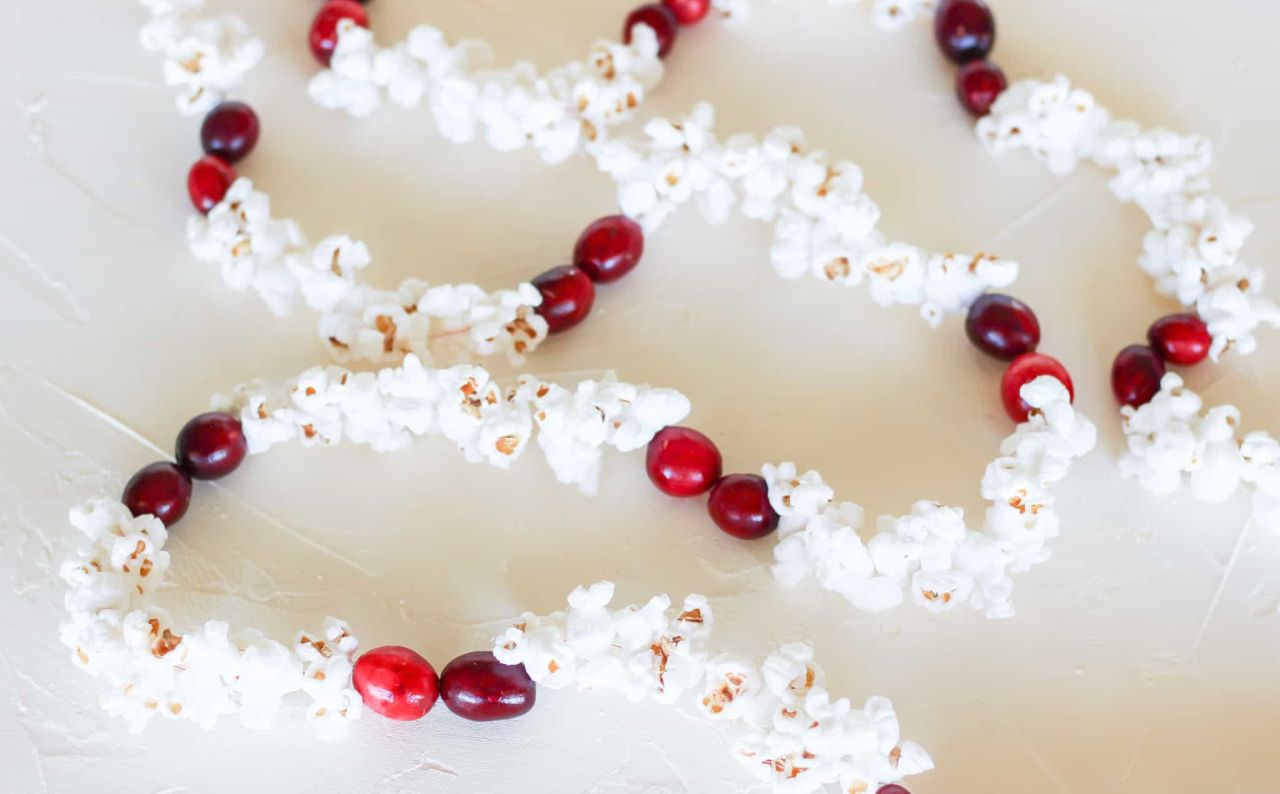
[447, 323]
[205, 57]
[387, 409]
[888, 14]
[786, 728]
[1173, 437]
[1193, 251]
[824, 224]
[557, 113]
[151, 668]
[931, 552]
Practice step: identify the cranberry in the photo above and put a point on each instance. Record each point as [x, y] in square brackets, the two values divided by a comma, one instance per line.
[739, 504]
[659, 17]
[965, 29]
[208, 181]
[1023, 370]
[230, 131]
[1180, 338]
[396, 682]
[324, 30]
[1136, 374]
[609, 248]
[211, 446]
[892, 788]
[689, 12]
[567, 296]
[979, 84]
[476, 686]
[1002, 326]
[682, 462]
[162, 490]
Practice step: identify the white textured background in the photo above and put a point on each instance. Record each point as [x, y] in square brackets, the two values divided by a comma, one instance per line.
[1144, 655]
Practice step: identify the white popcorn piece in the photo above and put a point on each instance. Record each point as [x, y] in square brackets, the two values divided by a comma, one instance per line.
[205, 57]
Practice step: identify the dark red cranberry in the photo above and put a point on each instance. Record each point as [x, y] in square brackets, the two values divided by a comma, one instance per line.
[661, 19]
[477, 687]
[609, 248]
[892, 788]
[230, 131]
[739, 504]
[567, 296]
[682, 462]
[396, 682]
[208, 181]
[211, 446]
[978, 85]
[965, 30]
[1136, 374]
[160, 489]
[689, 12]
[1180, 339]
[1023, 370]
[324, 29]
[1002, 326]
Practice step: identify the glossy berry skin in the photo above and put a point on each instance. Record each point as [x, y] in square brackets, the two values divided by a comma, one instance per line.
[1135, 375]
[477, 687]
[160, 489]
[1002, 326]
[978, 85]
[324, 29]
[682, 462]
[892, 788]
[396, 682]
[661, 19]
[208, 181]
[609, 248]
[739, 504]
[1023, 370]
[1180, 339]
[689, 12]
[211, 446]
[230, 131]
[965, 30]
[567, 296]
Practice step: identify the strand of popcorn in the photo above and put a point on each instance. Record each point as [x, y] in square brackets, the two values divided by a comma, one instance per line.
[386, 410]
[1173, 439]
[205, 57]
[888, 14]
[447, 323]
[824, 224]
[151, 667]
[785, 727]
[557, 113]
[930, 552]
[1193, 250]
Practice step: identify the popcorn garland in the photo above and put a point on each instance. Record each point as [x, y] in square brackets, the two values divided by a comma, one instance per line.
[205, 57]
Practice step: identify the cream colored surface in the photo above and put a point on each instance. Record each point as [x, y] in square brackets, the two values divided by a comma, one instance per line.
[1144, 655]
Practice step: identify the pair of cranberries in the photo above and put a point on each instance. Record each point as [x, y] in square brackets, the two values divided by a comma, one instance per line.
[209, 447]
[228, 134]
[966, 31]
[400, 684]
[1138, 369]
[607, 250]
[1006, 328]
[665, 19]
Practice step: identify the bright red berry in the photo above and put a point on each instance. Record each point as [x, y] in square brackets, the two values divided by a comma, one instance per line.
[739, 504]
[978, 85]
[160, 489]
[1023, 370]
[1136, 374]
[396, 682]
[609, 248]
[682, 462]
[659, 17]
[1180, 339]
[324, 29]
[476, 686]
[567, 296]
[208, 182]
[689, 12]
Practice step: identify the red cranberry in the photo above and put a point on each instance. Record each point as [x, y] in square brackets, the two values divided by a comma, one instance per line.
[688, 12]
[682, 462]
[162, 490]
[979, 84]
[1023, 370]
[230, 131]
[211, 446]
[965, 29]
[396, 682]
[659, 17]
[567, 296]
[477, 687]
[609, 248]
[739, 504]
[892, 788]
[1002, 326]
[324, 30]
[1180, 338]
[1136, 374]
[208, 181]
